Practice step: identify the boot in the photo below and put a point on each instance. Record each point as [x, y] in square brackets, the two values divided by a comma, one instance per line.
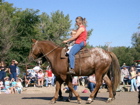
[71, 71]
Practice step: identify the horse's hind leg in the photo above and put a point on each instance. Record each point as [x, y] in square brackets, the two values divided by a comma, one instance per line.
[98, 84]
[110, 89]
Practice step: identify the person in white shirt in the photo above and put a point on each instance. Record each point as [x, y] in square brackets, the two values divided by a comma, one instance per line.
[91, 82]
[40, 76]
[19, 86]
[36, 68]
[125, 75]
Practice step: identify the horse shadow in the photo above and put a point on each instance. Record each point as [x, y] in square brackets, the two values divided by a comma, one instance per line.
[65, 98]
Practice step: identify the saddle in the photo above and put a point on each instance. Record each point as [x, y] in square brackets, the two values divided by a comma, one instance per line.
[84, 52]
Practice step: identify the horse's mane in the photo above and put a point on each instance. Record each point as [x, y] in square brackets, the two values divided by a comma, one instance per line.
[49, 42]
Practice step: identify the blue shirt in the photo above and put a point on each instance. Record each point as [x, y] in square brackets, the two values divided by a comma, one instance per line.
[13, 68]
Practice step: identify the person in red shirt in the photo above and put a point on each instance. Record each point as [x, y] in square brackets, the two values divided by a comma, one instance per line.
[80, 41]
[48, 76]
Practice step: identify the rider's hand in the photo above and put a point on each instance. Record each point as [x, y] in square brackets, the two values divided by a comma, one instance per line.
[65, 41]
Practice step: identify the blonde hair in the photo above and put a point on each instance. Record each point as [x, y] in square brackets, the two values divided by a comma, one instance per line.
[81, 20]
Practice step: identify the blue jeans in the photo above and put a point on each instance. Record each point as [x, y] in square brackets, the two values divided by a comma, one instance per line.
[13, 75]
[0, 75]
[75, 87]
[74, 50]
[52, 81]
[91, 86]
[133, 84]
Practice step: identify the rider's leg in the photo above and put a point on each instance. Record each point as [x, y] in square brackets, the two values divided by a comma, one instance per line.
[74, 50]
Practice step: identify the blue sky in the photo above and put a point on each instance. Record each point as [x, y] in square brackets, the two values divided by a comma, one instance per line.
[113, 21]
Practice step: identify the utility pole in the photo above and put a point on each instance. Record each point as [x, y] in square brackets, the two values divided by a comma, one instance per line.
[108, 45]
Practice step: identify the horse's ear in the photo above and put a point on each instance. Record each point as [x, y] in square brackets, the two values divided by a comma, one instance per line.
[33, 40]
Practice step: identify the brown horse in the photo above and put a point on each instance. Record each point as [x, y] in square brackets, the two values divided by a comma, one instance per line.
[104, 64]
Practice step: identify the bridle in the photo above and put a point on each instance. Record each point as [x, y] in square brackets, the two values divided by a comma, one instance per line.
[44, 55]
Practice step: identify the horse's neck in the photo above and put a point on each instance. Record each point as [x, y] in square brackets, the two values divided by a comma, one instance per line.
[50, 51]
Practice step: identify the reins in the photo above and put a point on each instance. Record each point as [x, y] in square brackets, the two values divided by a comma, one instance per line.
[46, 53]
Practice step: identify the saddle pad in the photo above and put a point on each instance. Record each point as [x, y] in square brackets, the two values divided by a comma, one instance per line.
[83, 53]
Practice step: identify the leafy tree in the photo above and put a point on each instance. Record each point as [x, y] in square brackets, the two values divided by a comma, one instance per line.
[136, 41]
[8, 29]
[136, 45]
[124, 55]
[27, 21]
[55, 27]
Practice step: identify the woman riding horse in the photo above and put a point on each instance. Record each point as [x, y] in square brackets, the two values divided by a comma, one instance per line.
[80, 42]
[104, 64]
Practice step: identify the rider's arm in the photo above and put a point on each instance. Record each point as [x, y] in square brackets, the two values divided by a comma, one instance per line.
[79, 31]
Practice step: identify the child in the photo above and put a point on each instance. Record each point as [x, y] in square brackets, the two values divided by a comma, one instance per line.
[13, 85]
[7, 85]
[70, 44]
[19, 85]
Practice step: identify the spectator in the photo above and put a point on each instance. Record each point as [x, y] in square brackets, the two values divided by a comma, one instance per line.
[53, 80]
[82, 80]
[133, 79]
[12, 69]
[27, 79]
[138, 81]
[18, 71]
[19, 85]
[8, 88]
[91, 82]
[40, 76]
[75, 82]
[103, 86]
[2, 70]
[48, 76]
[13, 85]
[36, 68]
[1, 85]
[125, 75]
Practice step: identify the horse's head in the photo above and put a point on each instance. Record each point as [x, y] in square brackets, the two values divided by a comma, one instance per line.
[35, 50]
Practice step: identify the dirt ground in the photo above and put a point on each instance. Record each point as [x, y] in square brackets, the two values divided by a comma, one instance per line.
[42, 96]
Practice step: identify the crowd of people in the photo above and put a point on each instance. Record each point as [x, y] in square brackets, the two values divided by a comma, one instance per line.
[10, 83]
[130, 76]
[37, 77]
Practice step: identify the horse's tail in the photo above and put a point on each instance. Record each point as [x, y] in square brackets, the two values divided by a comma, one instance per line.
[115, 71]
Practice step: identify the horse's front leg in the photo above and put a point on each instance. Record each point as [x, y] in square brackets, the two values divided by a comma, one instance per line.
[57, 90]
[69, 83]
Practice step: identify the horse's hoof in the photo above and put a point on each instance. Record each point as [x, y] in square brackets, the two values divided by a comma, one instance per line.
[79, 101]
[109, 100]
[89, 101]
[52, 102]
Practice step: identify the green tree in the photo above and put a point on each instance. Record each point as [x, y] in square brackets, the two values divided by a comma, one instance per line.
[8, 29]
[27, 21]
[55, 27]
[124, 55]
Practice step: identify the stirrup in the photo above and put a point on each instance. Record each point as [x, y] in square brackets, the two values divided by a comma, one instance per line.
[71, 71]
